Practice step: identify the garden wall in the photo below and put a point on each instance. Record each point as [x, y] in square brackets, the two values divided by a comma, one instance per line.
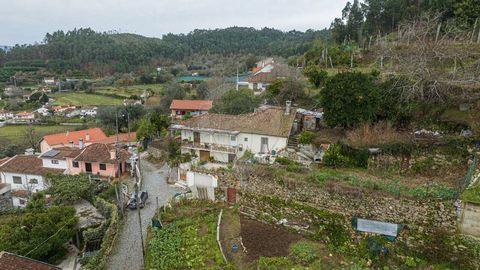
[422, 215]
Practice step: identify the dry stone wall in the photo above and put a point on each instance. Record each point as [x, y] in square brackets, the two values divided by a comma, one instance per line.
[421, 215]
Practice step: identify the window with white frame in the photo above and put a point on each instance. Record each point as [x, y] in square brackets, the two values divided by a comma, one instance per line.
[54, 161]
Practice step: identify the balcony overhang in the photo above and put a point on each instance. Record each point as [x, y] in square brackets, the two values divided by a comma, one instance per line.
[208, 130]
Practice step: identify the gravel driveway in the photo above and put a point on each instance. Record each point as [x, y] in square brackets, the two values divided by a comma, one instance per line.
[127, 251]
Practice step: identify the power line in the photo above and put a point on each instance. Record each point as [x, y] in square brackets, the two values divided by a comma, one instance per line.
[46, 240]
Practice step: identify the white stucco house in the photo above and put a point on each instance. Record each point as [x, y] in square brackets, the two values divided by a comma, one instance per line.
[225, 138]
[6, 115]
[89, 111]
[43, 111]
[25, 174]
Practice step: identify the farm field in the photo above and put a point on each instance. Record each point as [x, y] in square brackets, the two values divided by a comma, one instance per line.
[79, 99]
[14, 133]
[127, 91]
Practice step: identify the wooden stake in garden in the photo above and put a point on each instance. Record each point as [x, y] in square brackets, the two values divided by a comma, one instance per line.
[473, 31]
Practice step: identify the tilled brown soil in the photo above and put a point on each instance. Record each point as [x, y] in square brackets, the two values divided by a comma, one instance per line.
[265, 240]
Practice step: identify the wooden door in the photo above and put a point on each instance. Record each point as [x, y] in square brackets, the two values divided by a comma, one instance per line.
[88, 167]
[204, 155]
[196, 137]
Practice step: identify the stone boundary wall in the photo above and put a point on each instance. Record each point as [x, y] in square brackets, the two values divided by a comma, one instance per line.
[423, 215]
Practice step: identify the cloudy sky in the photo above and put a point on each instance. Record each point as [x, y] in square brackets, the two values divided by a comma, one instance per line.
[27, 21]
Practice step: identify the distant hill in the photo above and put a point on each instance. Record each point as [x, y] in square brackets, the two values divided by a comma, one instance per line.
[106, 53]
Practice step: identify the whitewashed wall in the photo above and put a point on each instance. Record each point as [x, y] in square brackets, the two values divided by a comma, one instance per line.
[47, 162]
[26, 185]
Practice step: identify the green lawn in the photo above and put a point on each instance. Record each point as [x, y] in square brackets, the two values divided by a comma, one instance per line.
[79, 99]
[14, 133]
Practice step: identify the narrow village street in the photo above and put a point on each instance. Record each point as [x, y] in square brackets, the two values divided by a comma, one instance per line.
[127, 251]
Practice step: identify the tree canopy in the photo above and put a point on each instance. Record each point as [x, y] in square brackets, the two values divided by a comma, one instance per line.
[349, 99]
[236, 102]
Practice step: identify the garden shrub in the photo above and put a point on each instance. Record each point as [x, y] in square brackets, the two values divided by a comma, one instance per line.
[334, 158]
[306, 137]
[472, 194]
[303, 253]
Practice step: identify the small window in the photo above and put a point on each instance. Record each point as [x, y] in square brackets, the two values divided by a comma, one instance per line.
[245, 139]
[75, 164]
[54, 161]
[21, 201]
[103, 167]
[17, 180]
[233, 138]
[33, 181]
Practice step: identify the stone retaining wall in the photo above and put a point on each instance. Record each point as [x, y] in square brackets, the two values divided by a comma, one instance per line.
[421, 215]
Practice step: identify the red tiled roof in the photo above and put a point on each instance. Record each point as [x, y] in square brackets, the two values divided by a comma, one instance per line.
[9, 261]
[195, 105]
[100, 152]
[27, 165]
[94, 134]
[3, 160]
[270, 121]
[24, 114]
[20, 193]
[262, 77]
[122, 137]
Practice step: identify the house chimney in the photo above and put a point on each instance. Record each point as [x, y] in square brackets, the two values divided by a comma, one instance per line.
[87, 137]
[71, 143]
[29, 152]
[113, 154]
[288, 106]
[81, 145]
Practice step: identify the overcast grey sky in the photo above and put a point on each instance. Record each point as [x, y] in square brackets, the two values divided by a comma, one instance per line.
[27, 21]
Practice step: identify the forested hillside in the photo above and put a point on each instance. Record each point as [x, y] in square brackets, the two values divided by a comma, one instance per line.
[105, 53]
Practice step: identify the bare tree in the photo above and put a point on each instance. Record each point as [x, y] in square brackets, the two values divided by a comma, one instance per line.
[31, 138]
[432, 55]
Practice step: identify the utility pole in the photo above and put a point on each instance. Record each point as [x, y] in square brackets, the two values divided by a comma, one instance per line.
[237, 79]
[139, 218]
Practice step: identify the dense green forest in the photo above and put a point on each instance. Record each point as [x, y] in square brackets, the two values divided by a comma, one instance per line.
[371, 17]
[106, 53]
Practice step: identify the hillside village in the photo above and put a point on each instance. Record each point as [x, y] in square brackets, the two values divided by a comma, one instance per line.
[352, 147]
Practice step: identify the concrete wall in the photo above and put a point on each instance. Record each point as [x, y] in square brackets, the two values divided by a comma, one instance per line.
[470, 219]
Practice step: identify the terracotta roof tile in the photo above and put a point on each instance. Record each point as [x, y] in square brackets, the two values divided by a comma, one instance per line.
[122, 137]
[199, 105]
[62, 152]
[88, 135]
[28, 165]
[100, 152]
[9, 261]
[262, 77]
[270, 121]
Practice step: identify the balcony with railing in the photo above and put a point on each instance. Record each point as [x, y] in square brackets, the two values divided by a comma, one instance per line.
[210, 147]
[4, 188]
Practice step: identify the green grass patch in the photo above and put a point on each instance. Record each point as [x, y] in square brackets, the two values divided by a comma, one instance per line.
[84, 99]
[472, 194]
[14, 133]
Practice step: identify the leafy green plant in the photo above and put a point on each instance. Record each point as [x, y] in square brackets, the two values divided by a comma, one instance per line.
[306, 137]
[303, 252]
[334, 158]
[472, 194]
[274, 263]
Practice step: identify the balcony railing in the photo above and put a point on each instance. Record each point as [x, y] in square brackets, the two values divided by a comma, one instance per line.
[4, 188]
[210, 147]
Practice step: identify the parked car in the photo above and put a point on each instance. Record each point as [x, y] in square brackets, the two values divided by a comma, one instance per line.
[143, 198]
[132, 203]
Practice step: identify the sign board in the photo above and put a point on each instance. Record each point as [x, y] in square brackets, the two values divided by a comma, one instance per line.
[365, 225]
